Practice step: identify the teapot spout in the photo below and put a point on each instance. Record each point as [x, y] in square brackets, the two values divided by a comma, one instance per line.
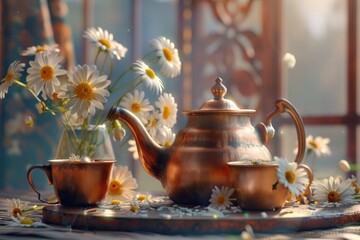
[153, 157]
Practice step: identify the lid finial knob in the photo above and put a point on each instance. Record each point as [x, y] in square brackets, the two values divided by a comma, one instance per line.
[218, 90]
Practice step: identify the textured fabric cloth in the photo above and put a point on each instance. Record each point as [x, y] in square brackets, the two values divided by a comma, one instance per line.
[10, 231]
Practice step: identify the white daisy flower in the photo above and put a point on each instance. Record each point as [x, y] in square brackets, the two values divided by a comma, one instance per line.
[122, 184]
[44, 72]
[72, 119]
[152, 124]
[105, 41]
[41, 107]
[295, 179]
[74, 158]
[144, 198]
[248, 234]
[220, 198]
[289, 60]
[333, 190]
[86, 91]
[13, 73]
[133, 149]
[29, 121]
[149, 76]
[16, 207]
[40, 48]
[165, 137]
[319, 145]
[168, 110]
[137, 104]
[170, 64]
[134, 207]
[355, 185]
[118, 133]
[344, 165]
[25, 222]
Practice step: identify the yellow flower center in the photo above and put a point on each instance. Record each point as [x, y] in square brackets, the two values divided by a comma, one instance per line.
[16, 211]
[150, 73]
[46, 73]
[167, 143]
[141, 197]
[55, 97]
[166, 112]
[115, 188]
[333, 196]
[168, 54]
[9, 76]
[134, 208]
[29, 121]
[314, 144]
[290, 176]
[135, 107]
[356, 187]
[84, 91]
[115, 202]
[40, 49]
[105, 42]
[289, 197]
[220, 199]
[153, 123]
[26, 221]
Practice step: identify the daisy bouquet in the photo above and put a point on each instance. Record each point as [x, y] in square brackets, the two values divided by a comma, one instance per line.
[79, 95]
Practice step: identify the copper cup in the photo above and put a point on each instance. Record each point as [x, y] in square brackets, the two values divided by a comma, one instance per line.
[76, 183]
[254, 186]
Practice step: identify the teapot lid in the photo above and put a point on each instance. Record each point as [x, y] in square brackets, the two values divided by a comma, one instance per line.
[219, 103]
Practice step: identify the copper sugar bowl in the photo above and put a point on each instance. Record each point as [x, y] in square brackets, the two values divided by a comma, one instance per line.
[218, 133]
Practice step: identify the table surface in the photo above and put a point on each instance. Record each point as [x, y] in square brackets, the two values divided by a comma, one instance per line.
[9, 230]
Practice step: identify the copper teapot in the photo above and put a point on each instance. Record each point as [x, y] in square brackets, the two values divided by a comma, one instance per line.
[218, 133]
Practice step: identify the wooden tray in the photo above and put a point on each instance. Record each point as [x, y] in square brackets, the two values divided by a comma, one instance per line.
[187, 220]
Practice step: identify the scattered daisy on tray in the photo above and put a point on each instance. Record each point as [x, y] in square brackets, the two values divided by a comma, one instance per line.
[16, 207]
[333, 190]
[122, 185]
[220, 198]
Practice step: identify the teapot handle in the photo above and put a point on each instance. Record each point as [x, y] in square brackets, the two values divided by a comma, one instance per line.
[267, 131]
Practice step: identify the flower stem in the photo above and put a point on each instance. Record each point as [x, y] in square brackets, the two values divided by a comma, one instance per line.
[103, 65]
[110, 70]
[149, 53]
[117, 80]
[97, 55]
[21, 84]
[121, 97]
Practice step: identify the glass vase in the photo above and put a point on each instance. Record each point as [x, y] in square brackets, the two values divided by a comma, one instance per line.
[93, 142]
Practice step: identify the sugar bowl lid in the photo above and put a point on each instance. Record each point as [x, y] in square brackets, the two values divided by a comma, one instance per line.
[219, 104]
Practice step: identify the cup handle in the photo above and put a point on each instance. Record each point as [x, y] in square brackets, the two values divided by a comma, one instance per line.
[47, 170]
[311, 178]
[267, 131]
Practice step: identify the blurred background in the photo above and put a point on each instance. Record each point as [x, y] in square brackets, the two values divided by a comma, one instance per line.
[241, 41]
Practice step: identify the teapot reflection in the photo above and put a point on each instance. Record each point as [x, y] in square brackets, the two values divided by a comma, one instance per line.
[218, 133]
